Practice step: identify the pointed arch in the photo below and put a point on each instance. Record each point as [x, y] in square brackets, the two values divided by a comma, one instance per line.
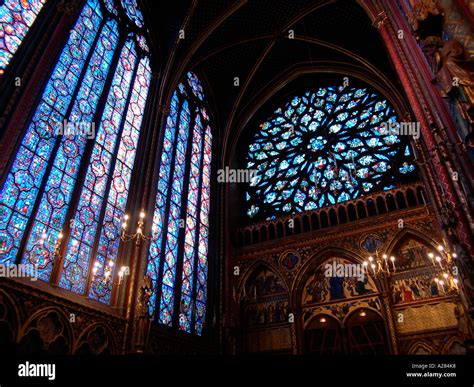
[316, 260]
[44, 328]
[104, 340]
[451, 343]
[263, 296]
[9, 316]
[359, 309]
[407, 233]
[420, 345]
[254, 268]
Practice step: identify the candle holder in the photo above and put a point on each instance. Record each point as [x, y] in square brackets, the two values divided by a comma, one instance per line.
[107, 276]
[139, 236]
[53, 257]
[380, 267]
[446, 260]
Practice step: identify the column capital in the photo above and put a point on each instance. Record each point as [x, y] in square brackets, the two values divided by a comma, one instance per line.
[379, 20]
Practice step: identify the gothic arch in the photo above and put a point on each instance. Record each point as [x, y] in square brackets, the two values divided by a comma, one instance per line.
[320, 314]
[9, 319]
[406, 233]
[253, 269]
[313, 262]
[263, 297]
[367, 333]
[47, 330]
[420, 345]
[323, 336]
[359, 309]
[96, 339]
[448, 347]
[377, 81]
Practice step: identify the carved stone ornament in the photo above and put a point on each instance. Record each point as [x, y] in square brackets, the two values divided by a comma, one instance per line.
[455, 71]
[426, 19]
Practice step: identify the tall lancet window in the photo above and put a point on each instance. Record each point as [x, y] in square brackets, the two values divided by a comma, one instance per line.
[68, 185]
[16, 18]
[177, 263]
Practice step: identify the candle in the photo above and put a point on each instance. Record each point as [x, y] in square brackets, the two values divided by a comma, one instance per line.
[431, 255]
[441, 282]
[392, 258]
[373, 268]
[386, 262]
[438, 259]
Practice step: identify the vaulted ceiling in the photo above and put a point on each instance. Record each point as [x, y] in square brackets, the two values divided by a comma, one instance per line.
[225, 39]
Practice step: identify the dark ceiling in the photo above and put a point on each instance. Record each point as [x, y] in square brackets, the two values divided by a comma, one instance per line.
[249, 39]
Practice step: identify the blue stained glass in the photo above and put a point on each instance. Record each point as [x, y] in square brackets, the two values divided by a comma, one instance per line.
[132, 11]
[29, 166]
[159, 214]
[340, 148]
[195, 85]
[190, 230]
[98, 171]
[60, 183]
[16, 18]
[201, 280]
[120, 185]
[167, 297]
[169, 264]
[175, 168]
[111, 161]
[109, 4]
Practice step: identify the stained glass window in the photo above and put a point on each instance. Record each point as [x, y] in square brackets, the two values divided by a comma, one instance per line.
[177, 262]
[323, 148]
[133, 12]
[16, 18]
[70, 131]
